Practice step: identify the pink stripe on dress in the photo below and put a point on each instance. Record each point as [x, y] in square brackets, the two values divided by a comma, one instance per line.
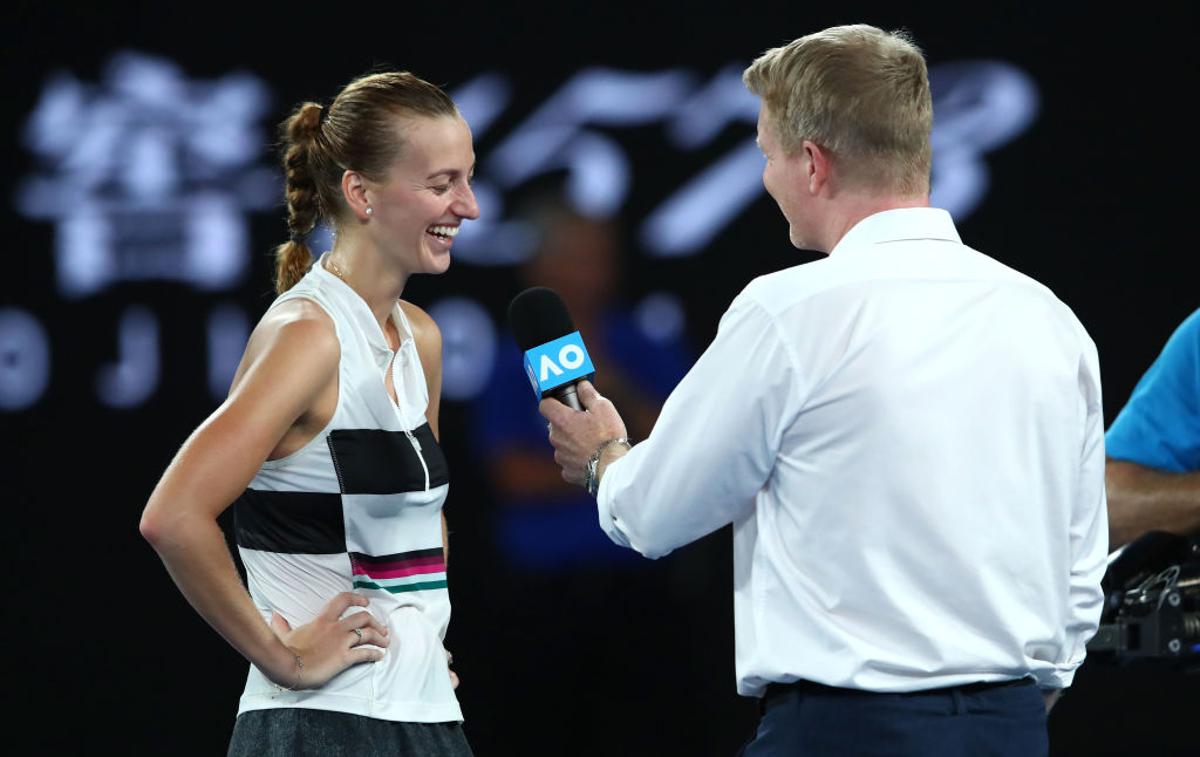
[400, 564]
[411, 570]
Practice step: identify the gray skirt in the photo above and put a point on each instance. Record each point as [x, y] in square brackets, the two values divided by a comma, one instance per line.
[284, 732]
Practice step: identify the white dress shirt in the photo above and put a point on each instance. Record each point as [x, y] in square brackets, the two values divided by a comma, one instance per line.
[908, 439]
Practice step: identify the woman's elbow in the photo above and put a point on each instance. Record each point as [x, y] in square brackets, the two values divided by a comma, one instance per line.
[151, 526]
[160, 526]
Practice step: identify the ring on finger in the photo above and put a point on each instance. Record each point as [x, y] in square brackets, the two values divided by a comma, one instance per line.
[358, 632]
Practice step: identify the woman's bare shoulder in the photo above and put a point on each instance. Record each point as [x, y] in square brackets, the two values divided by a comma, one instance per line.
[425, 331]
[299, 333]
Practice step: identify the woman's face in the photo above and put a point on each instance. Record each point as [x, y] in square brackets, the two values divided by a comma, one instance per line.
[416, 213]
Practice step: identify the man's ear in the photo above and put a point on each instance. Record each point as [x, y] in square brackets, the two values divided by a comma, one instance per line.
[818, 165]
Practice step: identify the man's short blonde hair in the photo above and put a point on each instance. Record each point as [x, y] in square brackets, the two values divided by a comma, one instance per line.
[859, 92]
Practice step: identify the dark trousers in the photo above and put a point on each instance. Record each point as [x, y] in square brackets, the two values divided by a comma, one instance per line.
[807, 719]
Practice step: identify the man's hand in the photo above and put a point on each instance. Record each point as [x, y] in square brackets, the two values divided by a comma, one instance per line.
[576, 435]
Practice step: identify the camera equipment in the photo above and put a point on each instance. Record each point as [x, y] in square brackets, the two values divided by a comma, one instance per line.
[1152, 603]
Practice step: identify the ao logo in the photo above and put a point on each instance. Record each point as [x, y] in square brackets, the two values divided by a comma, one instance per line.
[557, 362]
[571, 356]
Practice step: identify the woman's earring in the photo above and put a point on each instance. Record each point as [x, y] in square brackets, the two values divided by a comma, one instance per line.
[370, 210]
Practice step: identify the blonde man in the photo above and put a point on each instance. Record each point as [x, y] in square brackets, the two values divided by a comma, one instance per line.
[906, 436]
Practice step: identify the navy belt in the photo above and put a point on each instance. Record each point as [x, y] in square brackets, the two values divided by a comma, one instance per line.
[811, 687]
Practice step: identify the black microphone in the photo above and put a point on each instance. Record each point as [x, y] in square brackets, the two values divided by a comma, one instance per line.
[555, 358]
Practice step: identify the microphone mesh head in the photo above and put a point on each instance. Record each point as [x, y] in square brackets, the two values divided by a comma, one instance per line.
[537, 316]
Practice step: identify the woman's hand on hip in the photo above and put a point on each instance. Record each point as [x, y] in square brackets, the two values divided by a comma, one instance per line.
[329, 643]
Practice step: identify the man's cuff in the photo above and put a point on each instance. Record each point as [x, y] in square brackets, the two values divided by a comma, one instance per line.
[608, 521]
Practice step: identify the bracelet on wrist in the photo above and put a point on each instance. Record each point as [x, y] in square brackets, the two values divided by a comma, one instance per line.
[591, 480]
[299, 675]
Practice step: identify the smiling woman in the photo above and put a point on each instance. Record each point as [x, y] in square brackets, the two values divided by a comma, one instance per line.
[389, 164]
[426, 194]
[327, 446]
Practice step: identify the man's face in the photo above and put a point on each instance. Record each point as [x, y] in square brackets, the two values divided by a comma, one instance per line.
[783, 177]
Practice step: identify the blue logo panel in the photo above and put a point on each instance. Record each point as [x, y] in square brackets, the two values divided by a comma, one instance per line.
[563, 361]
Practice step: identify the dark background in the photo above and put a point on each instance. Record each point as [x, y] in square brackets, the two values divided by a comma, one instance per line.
[1095, 200]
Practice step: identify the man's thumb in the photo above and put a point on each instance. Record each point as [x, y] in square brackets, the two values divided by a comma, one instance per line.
[587, 393]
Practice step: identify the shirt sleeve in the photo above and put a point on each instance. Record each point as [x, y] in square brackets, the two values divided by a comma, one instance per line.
[1088, 530]
[1160, 425]
[714, 444]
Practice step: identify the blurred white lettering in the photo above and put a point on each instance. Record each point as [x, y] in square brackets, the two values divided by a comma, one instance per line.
[980, 106]
[24, 360]
[133, 377]
[468, 346]
[148, 175]
[228, 331]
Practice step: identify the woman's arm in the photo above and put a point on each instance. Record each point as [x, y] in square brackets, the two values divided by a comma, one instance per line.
[292, 358]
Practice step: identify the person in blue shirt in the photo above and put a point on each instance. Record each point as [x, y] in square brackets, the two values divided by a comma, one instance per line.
[542, 521]
[1153, 447]
[570, 609]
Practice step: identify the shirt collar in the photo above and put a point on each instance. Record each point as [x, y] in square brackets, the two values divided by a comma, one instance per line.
[360, 313]
[899, 225]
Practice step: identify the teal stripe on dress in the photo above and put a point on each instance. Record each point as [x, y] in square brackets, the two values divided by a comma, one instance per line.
[403, 587]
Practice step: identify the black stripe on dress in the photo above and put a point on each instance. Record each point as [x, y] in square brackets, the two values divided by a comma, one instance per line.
[371, 461]
[308, 523]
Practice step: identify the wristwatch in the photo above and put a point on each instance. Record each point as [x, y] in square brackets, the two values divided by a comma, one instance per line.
[591, 481]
